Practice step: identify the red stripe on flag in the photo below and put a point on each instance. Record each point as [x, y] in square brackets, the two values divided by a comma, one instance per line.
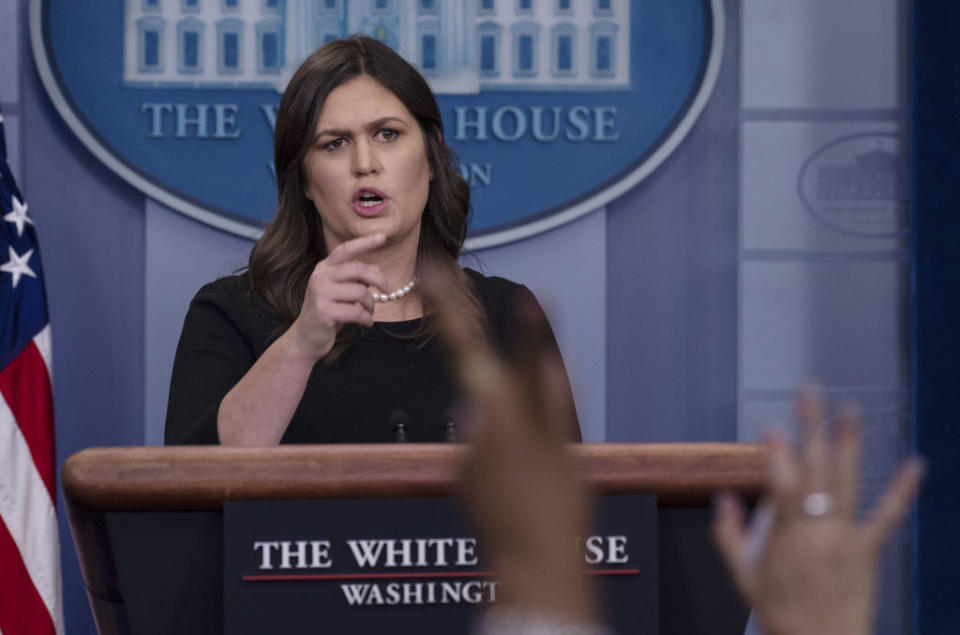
[25, 386]
[22, 611]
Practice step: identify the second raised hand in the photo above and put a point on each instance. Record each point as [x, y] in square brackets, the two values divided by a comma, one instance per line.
[338, 293]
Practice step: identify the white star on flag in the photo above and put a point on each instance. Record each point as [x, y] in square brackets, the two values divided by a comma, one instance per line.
[17, 266]
[18, 216]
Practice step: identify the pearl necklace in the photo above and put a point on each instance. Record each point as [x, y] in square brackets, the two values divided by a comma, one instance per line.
[399, 293]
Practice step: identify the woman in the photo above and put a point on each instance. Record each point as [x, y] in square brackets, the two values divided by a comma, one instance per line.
[326, 338]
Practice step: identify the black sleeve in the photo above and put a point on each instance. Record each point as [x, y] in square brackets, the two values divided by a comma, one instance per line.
[213, 355]
[503, 320]
[574, 435]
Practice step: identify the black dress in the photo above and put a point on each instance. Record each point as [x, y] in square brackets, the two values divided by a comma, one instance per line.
[352, 401]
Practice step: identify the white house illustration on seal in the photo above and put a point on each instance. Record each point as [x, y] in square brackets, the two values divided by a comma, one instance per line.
[461, 46]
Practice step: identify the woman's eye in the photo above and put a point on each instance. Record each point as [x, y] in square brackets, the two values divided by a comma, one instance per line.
[336, 144]
[388, 134]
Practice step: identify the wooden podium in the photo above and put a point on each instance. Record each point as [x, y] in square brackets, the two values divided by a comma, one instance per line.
[156, 511]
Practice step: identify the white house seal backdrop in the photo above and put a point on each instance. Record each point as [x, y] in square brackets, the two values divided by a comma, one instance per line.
[555, 107]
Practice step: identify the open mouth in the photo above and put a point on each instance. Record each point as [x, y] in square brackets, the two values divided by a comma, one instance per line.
[368, 198]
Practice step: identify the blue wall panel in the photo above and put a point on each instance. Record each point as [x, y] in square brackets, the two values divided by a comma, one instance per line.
[672, 283]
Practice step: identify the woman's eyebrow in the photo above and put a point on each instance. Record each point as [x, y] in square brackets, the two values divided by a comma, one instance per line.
[341, 132]
[384, 120]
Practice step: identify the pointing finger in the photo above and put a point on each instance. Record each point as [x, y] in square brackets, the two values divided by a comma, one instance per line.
[352, 249]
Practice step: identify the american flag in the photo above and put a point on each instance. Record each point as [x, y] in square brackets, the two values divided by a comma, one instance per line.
[30, 595]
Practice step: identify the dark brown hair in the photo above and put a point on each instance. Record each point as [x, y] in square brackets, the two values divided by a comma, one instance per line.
[282, 260]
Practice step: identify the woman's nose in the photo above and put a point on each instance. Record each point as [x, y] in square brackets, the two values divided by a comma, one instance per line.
[365, 159]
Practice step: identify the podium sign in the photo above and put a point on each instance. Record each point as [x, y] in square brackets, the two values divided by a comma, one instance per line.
[407, 565]
[149, 529]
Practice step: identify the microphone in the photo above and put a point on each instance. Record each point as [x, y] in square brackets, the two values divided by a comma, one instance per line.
[399, 422]
[449, 426]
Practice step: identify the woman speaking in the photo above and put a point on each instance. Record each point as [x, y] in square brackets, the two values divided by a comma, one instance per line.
[326, 337]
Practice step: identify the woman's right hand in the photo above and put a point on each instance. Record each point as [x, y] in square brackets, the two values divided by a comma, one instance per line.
[338, 292]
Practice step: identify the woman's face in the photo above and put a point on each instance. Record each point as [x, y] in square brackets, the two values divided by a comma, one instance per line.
[367, 170]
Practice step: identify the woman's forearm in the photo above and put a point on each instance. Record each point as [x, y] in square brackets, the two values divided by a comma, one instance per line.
[258, 409]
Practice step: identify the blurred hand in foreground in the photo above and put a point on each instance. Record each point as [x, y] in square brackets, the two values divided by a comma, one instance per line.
[518, 479]
[816, 570]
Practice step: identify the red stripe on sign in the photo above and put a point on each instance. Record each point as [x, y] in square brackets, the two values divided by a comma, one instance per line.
[25, 386]
[22, 611]
[367, 576]
[292, 577]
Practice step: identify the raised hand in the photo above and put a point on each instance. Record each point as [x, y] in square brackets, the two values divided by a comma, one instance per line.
[518, 478]
[338, 293]
[816, 571]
